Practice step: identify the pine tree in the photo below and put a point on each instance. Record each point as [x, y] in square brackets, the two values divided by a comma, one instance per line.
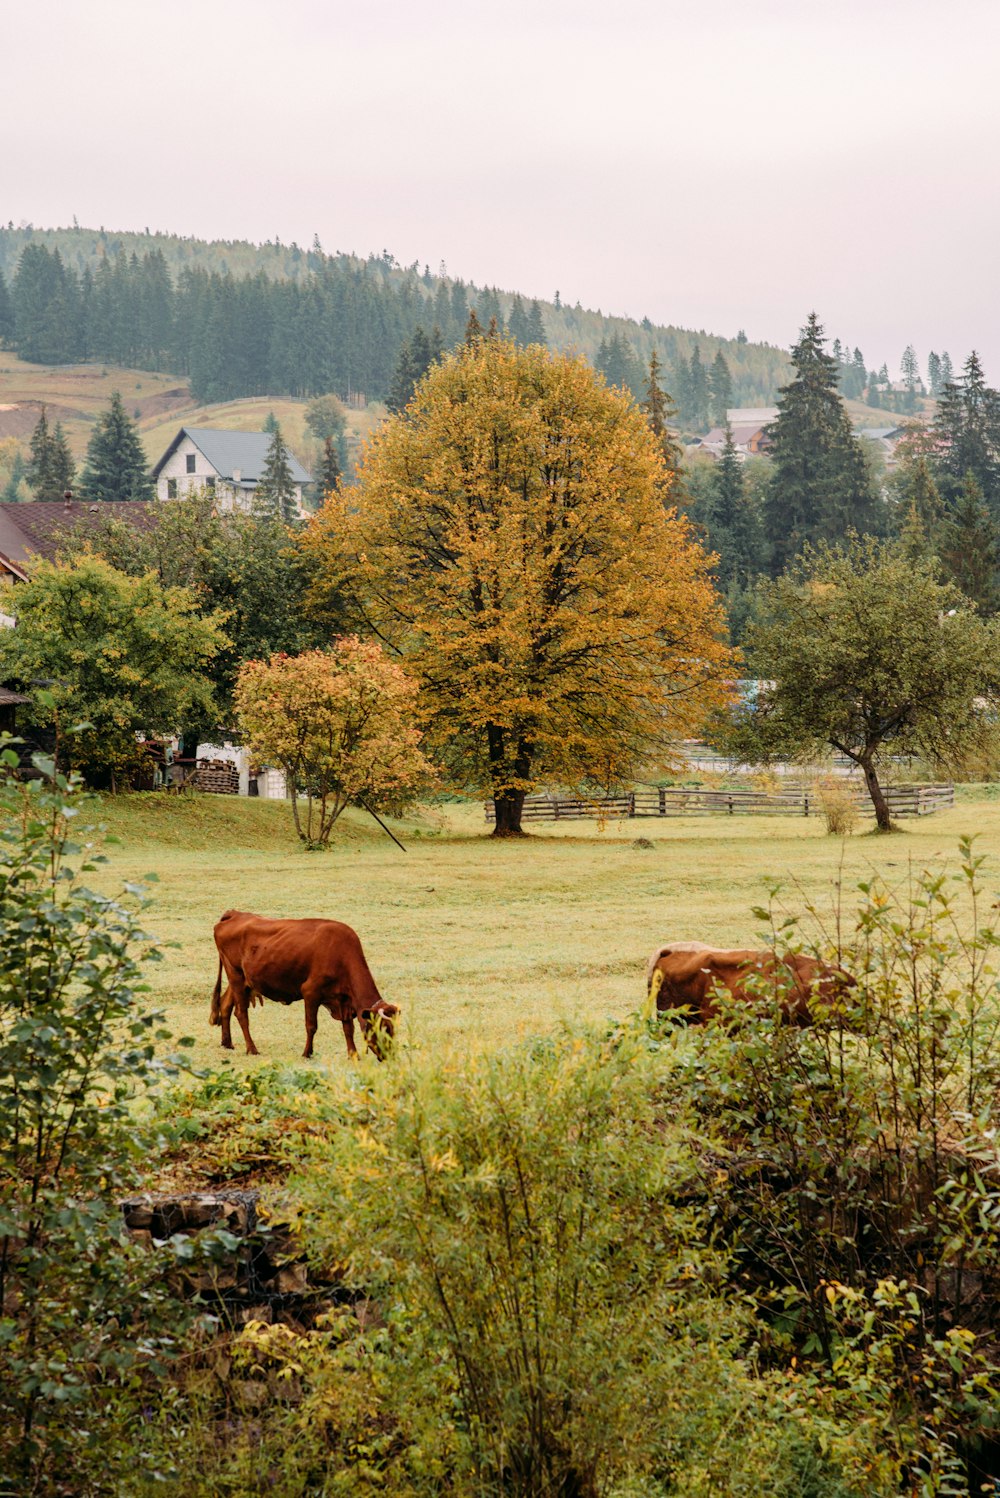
[536, 325]
[721, 387]
[934, 373]
[925, 498]
[967, 546]
[820, 487]
[660, 411]
[274, 496]
[16, 488]
[473, 328]
[698, 392]
[517, 323]
[116, 467]
[910, 371]
[967, 427]
[734, 531]
[947, 372]
[39, 463]
[61, 464]
[329, 477]
[271, 424]
[7, 324]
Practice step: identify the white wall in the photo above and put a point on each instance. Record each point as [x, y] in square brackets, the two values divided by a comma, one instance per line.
[228, 496]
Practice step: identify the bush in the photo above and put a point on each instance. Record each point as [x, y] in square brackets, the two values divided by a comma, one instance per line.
[82, 1312]
[554, 1315]
[836, 799]
[861, 1161]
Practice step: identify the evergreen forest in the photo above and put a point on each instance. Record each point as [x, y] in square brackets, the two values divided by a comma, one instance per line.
[245, 320]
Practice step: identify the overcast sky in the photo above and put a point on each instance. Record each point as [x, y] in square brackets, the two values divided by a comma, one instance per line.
[715, 165]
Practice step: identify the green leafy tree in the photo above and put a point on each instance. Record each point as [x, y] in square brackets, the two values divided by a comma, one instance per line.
[243, 571]
[820, 487]
[867, 652]
[275, 492]
[326, 417]
[84, 1314]
[121, 654]
[116, 467]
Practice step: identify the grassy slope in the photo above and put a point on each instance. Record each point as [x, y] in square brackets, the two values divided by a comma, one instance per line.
[77, 394]
[480, 941]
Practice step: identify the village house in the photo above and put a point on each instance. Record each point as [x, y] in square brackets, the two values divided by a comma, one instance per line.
[748, 425]
[39, 527]
[227, 464]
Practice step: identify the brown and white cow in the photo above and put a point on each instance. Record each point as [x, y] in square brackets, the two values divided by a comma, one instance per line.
[317, 961]
[689, 975]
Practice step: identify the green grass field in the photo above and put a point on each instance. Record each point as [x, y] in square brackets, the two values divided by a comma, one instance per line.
[481, 941]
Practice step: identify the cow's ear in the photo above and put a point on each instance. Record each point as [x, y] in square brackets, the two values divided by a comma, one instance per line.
[389, 1009]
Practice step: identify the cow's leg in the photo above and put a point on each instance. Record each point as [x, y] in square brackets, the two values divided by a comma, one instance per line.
[347, 1020]
[225, 1017]
[239, 1002]
[310, 1004]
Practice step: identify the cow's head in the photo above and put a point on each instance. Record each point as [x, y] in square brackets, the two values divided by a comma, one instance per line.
[379, 1027]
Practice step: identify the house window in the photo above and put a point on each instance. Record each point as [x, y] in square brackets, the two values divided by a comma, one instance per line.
[190, 462]
[210, 484]
[171, 488]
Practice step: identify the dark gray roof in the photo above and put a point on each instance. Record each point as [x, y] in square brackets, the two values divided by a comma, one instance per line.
[229, 452]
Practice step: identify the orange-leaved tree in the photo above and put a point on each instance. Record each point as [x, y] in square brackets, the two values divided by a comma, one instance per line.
[510, 541]
[341, 724]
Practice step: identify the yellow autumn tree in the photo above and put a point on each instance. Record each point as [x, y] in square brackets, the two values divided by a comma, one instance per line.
[341, 724]
[509, 540]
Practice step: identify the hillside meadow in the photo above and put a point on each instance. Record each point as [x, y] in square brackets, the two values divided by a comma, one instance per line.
[482, 941]
[77, 394]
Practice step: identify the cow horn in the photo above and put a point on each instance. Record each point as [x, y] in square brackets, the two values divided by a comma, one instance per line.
[655, 984]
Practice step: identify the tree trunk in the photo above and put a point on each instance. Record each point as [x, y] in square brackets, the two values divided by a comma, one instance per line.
[509, 807]
[881, 805]
[508, 804]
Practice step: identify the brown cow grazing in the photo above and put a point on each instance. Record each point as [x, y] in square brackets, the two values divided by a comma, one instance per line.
[690, 976]
[319, 962]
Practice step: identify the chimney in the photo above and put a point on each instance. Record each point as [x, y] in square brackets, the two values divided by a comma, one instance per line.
[68, 499]
[237, 475]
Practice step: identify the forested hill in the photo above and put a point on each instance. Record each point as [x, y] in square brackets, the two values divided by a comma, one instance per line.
[240, 319]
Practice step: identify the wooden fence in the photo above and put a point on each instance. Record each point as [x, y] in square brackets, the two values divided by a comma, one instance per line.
[676, 801]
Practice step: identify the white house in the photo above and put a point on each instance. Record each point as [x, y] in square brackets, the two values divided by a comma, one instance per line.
[229, 464]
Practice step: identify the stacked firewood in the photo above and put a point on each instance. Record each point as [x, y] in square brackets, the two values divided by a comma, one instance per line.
[263, 1278]
[219, 776]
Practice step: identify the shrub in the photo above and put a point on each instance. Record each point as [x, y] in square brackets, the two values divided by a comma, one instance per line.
[861, 1153]
[554, 1322]
[836, 799]
[82, 1311]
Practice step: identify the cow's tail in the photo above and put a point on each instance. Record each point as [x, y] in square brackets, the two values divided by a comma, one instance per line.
[215, 1013]
[655, 984]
